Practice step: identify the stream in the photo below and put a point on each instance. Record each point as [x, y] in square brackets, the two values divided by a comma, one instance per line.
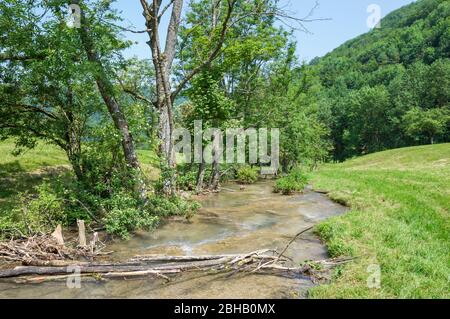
[231, 222]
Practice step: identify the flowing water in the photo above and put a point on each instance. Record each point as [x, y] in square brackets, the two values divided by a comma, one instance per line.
[234, 221]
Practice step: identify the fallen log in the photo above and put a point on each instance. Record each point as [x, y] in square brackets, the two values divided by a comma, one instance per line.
[163, 258]
[160, 258]
[109, 268]
[261, 261]
[144, 273]
[51, 263]
[248, 263]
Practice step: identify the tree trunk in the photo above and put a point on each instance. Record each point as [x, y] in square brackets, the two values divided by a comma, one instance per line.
[73, 149]
[200, 177]
[75, 162]
[215, 175]
[106, 90]
[162, 62]
[73, 136]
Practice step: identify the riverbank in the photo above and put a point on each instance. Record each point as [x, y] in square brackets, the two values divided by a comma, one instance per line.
[233, 221]
[399, 221]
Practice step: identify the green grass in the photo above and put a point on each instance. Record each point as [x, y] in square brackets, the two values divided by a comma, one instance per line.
[399, 220]
[31, 160]
[22, 173]
[43, 163]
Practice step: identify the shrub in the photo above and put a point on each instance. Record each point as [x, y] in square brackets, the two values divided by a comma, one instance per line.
[296, 181]
[187, 181]
[40, 212]
[113, 203]
[247, 175]
[51, 203]
[124, 216]
[172, 206]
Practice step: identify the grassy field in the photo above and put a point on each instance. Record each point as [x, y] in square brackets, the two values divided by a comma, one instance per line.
[399, 221]
[21, 173]
[31, 160]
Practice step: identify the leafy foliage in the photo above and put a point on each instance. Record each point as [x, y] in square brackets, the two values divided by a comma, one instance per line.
[429, 123]
[247, 175]
[295, 181]
[372, 82]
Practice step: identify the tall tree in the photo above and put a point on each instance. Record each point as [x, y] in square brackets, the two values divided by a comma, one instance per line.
[106, 90]
[221, 16]
[163, 60]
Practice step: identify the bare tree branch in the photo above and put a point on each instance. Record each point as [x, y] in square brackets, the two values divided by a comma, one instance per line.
[172, 33]
[19, 57]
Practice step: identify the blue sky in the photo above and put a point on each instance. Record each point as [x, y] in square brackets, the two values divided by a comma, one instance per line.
[348, 19]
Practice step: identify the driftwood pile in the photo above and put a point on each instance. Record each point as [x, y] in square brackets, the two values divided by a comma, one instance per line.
[45, 250]
[262, 262]
[46, 259]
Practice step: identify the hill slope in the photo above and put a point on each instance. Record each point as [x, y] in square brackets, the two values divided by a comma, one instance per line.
[45, 162]
[399, 221]
[390, 87]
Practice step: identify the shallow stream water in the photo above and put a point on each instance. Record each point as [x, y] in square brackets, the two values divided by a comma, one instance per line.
[233, 221]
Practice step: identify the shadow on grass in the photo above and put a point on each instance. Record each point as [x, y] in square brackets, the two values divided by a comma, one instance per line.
[11, 168]
[18, 181]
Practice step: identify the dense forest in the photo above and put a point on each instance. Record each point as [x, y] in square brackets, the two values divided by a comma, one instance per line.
[390, 87]
[231, 64]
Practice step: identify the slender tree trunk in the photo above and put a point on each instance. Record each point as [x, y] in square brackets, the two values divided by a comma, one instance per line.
[215, 12]
[74, 155]
[107, 92]
[215, 174]
[200, 177]
[162, 62]
[73, 136]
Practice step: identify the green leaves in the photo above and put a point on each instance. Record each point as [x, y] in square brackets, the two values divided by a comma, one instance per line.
[426, 124]
[372, 81]
[295, 181]
[247, 175]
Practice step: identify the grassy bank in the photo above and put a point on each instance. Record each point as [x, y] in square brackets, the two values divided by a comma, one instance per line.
[41, 157]
[399, 220]
[43, 163]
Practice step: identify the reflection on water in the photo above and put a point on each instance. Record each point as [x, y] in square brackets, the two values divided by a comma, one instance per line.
[233, 221]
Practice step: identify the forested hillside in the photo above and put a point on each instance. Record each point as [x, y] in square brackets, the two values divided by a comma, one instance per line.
[390, 87]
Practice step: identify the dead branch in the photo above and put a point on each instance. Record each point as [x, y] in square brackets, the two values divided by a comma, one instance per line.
[46, 250]
[263, 262]
[294, 239]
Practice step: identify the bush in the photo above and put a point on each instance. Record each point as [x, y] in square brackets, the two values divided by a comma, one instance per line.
[125, 215]
[172, 206]
[64, 202]
[247, 175]
[296, 181]
[187, 181]
[49, 204]
[41, 212]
